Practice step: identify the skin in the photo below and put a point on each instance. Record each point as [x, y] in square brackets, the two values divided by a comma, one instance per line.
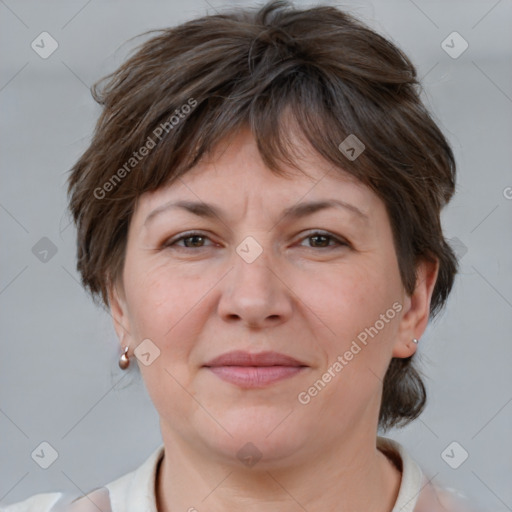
[306, 297]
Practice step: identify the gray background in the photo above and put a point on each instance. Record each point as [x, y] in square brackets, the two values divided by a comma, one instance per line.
[59, 380]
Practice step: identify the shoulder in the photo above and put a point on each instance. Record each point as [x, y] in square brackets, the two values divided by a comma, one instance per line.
[418, 493]
[435, 498]
[443, 499]
[43, 502]
[131, 492]
[98, 499]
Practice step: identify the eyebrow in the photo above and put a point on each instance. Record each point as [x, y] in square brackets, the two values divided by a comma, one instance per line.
[206, 210]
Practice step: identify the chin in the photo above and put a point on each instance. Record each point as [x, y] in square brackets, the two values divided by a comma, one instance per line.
[257, 440]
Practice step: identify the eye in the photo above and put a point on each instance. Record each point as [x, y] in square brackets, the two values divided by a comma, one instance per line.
[323, 238]
[196, 239]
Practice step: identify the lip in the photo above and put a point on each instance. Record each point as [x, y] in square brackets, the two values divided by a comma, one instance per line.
[248, 370]
[242, 358]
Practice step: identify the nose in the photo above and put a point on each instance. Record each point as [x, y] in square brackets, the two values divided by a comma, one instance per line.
[254, 294]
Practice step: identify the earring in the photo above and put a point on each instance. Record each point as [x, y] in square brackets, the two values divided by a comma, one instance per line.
[124, 360]
[414, 340]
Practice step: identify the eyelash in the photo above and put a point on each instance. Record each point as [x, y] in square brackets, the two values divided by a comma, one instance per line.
[191, 234]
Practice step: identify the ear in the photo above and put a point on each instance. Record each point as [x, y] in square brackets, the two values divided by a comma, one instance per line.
[119, 312]
[416, 309]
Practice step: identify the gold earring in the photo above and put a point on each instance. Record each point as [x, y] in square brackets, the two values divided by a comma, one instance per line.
[124, 360]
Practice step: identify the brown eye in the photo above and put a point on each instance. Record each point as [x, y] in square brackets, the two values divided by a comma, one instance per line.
[321, 240]
[190, 240]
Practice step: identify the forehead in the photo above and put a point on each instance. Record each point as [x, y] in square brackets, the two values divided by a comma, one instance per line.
[234, 176]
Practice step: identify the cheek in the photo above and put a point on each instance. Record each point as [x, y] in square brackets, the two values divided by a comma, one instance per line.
[346, 299]
[358, 342]
[350, 301]
[166, 306]
[159, 294]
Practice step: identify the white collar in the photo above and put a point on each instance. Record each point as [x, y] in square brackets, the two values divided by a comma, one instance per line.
[135, 491]
[412, 476]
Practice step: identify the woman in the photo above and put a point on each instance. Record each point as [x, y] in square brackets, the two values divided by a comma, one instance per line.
[260, 211]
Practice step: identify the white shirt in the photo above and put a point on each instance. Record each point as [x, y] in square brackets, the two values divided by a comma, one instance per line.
[135, 491]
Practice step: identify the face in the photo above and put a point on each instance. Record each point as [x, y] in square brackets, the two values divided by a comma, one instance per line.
[320, 285]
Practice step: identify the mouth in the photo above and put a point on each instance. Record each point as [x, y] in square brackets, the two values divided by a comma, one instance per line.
[248, 370]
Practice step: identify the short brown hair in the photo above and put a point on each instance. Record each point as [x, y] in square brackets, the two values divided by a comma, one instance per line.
[190, 86]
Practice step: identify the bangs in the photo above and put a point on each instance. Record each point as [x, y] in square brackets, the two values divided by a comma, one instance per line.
[288, 118]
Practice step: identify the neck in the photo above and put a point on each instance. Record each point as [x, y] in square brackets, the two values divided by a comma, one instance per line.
[352, 476]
